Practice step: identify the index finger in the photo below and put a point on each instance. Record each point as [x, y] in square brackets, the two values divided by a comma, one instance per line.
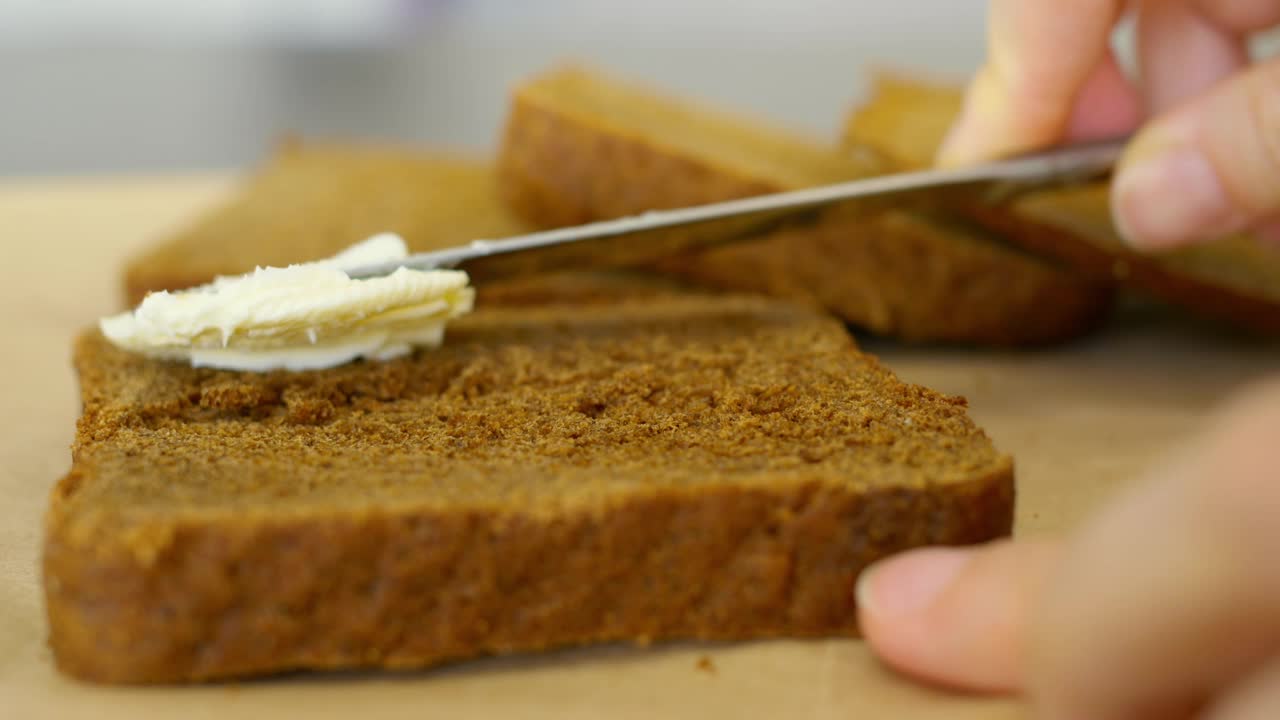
[1041, 55]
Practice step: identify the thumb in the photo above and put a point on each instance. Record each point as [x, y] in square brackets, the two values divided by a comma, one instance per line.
[957, 616]
[1209, 168]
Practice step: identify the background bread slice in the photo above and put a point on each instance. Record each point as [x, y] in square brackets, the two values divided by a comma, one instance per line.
[313, 199]
[581, 146]
[905, 118]
[674, 467]
[1233, 279]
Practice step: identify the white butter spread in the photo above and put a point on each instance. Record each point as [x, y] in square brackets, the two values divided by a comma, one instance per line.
[299, 317]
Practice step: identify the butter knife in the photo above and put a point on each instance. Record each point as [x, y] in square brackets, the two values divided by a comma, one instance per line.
[664, 233]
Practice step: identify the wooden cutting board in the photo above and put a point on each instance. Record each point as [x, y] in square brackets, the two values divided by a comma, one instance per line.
[1080, 420]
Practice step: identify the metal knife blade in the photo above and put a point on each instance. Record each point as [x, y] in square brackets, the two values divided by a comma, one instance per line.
[664, 233]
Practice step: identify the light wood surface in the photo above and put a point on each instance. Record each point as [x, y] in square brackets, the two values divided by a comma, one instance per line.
[1080, 420]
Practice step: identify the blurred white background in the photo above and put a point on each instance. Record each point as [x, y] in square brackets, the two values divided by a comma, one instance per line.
[96, 86]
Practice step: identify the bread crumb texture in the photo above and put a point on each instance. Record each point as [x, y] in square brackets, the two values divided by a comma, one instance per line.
[656, 468]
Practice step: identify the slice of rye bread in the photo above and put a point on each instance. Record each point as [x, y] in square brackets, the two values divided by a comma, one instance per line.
[683, 466]
[580, 146]
[1233, 279]
[312, 199]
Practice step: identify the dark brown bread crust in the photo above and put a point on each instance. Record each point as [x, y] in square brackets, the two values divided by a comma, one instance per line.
[903, 275]
[717, 468]
[1234, 279]
[920, 278]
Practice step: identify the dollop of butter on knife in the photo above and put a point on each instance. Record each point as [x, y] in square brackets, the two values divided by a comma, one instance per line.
[300, 317]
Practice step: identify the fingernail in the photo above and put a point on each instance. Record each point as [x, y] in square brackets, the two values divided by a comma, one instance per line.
[908, 583]
[1170, 199]
[973, 134]
[957, 147]
[950, 147]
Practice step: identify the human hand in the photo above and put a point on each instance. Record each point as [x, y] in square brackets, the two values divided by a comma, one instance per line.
[1207, 161]
[1165, 606]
